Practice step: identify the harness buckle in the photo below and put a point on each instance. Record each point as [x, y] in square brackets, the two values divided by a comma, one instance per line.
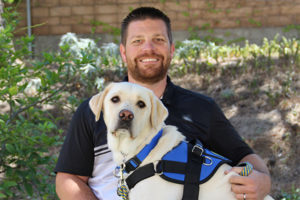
[198, 149]
[157, 167]
[119, 171]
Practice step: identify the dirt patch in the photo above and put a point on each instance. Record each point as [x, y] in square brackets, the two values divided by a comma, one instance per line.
[265, 114]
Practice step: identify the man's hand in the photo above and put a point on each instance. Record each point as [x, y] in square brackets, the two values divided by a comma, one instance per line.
[255, 186]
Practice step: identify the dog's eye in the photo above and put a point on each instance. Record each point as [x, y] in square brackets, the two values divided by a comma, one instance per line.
[141, 104]
[115, 99]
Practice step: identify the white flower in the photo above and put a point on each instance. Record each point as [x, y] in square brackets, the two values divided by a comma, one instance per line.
[86, 43]
[88, 68]
[79, 46]
[110, 48]
[68, 38]
[181, 52]
[99, 82]
[33, 86]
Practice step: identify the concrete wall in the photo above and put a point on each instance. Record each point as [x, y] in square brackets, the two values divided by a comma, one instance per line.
[252, 19]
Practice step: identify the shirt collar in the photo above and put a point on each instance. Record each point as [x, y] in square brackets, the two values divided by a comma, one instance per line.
[168, 93]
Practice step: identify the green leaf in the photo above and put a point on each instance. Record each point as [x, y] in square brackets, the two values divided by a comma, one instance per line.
[9, 1]
[10, 148]
[13, 90]
[8, 184]
[2, 196]
[186, 14]
[28, 188]
[48, 57]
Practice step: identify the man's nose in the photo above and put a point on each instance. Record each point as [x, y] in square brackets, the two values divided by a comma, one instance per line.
[148, 46]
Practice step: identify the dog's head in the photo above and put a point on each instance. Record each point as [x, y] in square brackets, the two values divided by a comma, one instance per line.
[129, 109]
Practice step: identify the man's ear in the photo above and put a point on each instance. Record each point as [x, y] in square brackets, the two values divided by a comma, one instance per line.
[96, 102]
[123, 53]
[158, 111]
[172, 50]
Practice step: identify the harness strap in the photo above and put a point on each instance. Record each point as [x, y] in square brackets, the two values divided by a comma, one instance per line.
[193, 171]
[170, 167]
[140, 174]
[135, 162]
[185, 171]
[132, 164]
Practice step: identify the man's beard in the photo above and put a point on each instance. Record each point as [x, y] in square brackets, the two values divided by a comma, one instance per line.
[148, 73]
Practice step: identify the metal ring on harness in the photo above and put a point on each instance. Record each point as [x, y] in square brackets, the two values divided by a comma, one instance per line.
[198, 149]
[208, 164]
[117, 172]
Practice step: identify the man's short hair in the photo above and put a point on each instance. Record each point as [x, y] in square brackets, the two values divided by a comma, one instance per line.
[143, 13]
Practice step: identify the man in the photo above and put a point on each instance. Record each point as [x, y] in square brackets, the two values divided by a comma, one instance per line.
[85, 167]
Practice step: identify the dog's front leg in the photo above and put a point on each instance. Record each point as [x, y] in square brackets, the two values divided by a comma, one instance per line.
[156, 188]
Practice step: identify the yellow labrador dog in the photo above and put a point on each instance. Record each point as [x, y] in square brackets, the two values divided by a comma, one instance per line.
[134, 116]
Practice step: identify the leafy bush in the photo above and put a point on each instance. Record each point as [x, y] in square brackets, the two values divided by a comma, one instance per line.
[195, 56]
[294, 195]
[31, 92]
[191, 54]
[91, 61]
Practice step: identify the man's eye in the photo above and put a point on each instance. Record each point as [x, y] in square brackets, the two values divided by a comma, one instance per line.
[136, 41]
[159, 39]
[141, 104]
[115, 99]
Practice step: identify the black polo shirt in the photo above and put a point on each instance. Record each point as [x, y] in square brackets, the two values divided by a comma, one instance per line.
[198, 116]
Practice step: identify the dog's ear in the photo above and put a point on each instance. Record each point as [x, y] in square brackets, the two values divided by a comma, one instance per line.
[96, 102]
[96, 105]
[158, 111]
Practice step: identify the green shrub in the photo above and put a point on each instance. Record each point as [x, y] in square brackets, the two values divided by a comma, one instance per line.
[28, 131]
[36, 94]
[90, 61]
[293, 195]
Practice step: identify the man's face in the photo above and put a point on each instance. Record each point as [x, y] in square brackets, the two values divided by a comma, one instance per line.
[147, 52]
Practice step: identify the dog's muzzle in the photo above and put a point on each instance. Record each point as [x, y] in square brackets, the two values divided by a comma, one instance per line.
[126, 115]
[125, 119]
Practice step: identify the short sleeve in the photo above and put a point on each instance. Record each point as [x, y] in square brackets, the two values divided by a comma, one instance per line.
[77, 153]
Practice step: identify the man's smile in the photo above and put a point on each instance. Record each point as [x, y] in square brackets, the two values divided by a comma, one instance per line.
[147, 60]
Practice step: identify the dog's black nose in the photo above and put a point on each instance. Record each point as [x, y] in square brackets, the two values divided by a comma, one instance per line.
[126, 115]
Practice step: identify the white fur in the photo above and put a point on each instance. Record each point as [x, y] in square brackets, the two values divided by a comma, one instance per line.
[147, 121]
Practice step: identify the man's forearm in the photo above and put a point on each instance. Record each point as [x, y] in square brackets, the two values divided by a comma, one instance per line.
[257, 162]
[73, 187]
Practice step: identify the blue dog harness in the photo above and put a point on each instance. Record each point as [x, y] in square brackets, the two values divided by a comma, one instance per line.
[189, 163]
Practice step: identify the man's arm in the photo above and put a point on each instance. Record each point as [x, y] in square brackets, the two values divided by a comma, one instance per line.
[73, 187]
[257, 185]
